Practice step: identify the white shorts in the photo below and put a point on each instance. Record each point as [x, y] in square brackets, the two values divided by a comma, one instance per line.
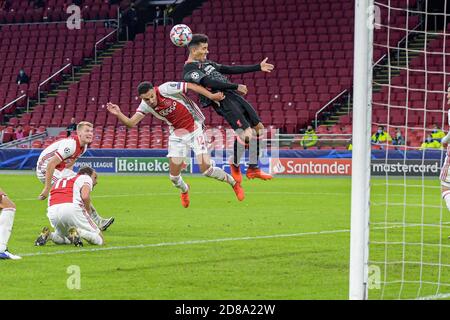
[66, 215]
[57, 174]
[179, 147]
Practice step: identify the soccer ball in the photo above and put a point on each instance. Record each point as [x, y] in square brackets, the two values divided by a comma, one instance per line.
[181, 35]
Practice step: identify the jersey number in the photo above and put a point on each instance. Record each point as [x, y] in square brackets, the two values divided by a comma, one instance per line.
[62, 182]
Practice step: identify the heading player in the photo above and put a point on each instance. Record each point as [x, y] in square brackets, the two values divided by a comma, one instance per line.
[237, 111]
[58, 159]
[169, 103]
[69, 206]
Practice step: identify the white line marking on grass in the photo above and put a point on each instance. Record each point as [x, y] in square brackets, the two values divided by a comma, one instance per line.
[188, 242]
[218, 192]
[435, 297]
[179, 243]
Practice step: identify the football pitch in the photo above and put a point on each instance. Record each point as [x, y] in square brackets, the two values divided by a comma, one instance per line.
[289, 239]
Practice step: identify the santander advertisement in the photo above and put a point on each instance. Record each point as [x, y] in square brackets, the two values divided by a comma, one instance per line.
[302, 166]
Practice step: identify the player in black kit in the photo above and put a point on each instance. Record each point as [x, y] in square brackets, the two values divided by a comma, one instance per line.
[237, 111]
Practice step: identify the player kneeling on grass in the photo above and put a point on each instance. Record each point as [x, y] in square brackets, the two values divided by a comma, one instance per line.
[57, 160]
[69, 207]
[169, 103]
[7, 212]
[445, 171]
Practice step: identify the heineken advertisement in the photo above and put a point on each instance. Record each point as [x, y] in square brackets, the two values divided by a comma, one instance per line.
[145, 165]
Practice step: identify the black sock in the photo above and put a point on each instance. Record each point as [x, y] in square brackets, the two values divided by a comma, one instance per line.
[254, 149]
[238, 151]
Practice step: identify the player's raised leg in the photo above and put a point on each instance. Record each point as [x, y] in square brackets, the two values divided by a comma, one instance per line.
[211, 171]
[175, 166]
[7, 213]
[253, 171]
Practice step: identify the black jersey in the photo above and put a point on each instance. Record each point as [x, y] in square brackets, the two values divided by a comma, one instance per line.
[195, 71]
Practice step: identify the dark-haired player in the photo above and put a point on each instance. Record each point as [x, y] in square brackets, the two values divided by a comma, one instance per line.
[169, 103]
[237, 111]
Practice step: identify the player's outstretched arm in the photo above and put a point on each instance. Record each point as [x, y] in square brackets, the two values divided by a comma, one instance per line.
[54, 161]
[129, 122]
[263, 66]
[86, 197]
[218, 96]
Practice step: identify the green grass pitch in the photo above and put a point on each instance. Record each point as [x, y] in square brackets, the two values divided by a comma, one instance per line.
[289, 239]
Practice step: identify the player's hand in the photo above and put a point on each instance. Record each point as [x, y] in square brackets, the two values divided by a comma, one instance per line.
[218, 96]
[242, 89]
[43, 194]
[113, 108]
[266, 67]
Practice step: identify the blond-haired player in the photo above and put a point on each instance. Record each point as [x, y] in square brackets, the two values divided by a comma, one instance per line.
[58, 159]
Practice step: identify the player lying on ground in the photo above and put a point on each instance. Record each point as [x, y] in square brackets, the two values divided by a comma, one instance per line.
[169, 103]
[445, 171]
[58, 159]
[7, 212]
[69, 207]
[237, 111]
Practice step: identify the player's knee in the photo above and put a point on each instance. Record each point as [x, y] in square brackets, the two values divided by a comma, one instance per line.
[7, 204]
[204, 167]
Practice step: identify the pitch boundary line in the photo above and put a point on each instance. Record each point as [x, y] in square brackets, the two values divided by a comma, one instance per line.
[178, 243]
[436, 296]
[189, 242]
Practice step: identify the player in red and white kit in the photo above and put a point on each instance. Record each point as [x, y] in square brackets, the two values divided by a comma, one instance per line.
[7, 213]
[169, 103]
[58, 159]
[69, 206]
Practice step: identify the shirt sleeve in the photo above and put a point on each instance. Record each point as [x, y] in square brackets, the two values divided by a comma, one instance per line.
[172, 88]
[237, 69]
[193, 74]
[66, 149]
[143, 108]
[84, 180]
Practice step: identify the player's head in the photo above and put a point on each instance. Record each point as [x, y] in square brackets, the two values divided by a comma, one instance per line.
[89, 172]
[147, 93]
[85, 132]
[198, 47]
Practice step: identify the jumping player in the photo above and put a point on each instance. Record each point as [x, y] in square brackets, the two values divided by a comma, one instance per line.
[58, 159]
[169, 103]
[69, 207]
[239, 114]
[7, 212]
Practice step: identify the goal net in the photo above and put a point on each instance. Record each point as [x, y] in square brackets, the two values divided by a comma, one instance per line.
[408, 251]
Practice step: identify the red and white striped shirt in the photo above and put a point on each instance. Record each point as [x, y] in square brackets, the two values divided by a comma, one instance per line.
[66, 150]
[175, 108]
[68, 190]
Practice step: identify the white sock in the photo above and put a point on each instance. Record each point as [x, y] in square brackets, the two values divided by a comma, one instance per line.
[95, 216]
[91, 237]
[58, 239]
[179, 183]
[6, 224]
[446, 197]
[219, 174]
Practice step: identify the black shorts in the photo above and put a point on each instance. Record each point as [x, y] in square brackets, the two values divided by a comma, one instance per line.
[237, 111]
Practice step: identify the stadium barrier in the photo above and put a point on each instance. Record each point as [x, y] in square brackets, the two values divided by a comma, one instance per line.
[287, 162]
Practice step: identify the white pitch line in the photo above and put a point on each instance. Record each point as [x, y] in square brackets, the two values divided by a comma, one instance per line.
[435, 297]
[217, 192]
[168, 244]
[188, 242]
